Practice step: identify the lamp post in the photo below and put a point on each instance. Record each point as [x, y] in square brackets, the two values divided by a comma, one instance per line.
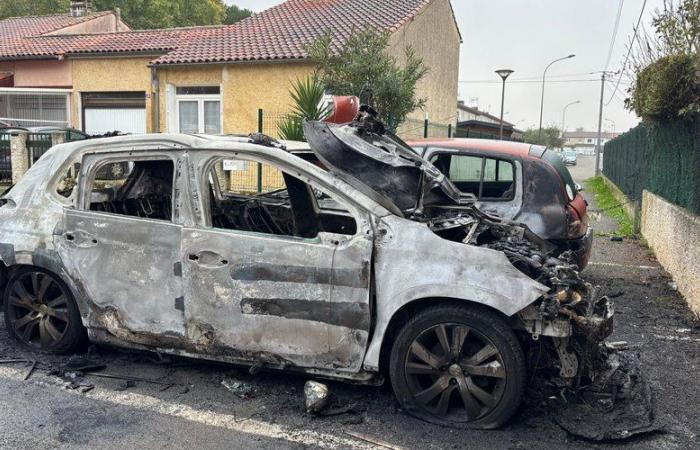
[544, 75]
[613, 124]
[503, 73]
[563, 116]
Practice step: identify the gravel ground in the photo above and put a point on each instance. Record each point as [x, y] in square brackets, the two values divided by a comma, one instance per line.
[266, 411]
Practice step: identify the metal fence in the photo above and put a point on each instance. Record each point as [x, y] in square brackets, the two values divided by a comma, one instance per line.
[661, 158]
[37, 145]
[5, 159]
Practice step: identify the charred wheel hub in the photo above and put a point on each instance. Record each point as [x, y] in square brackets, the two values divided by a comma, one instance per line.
[455, 370]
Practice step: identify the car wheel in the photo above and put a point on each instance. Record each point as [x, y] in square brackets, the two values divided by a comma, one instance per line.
[40, 312]
[458, 366]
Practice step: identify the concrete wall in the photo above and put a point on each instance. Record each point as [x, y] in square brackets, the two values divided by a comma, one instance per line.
[434, 36]
[109, 23]
[110, 75]
[674, 233]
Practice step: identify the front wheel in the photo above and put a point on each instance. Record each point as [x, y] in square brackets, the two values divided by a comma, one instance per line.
[458, 366]
[40, 312]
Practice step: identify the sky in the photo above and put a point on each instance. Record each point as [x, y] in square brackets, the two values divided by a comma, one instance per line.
[525, 36]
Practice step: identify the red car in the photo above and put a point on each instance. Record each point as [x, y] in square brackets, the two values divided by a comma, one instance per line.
[521, 182]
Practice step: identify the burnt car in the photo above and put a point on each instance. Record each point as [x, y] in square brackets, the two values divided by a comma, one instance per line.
[403, 278]
[522, 182]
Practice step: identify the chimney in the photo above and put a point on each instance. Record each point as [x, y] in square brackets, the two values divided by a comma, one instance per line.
[80, 8]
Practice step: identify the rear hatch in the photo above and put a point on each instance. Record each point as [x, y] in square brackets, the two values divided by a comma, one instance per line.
[577, 215]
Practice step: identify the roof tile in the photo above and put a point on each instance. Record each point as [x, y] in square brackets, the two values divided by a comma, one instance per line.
[281, 32]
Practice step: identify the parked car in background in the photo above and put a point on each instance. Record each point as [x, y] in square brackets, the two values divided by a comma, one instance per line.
[570, 157]
[521, 182]
[405, 278]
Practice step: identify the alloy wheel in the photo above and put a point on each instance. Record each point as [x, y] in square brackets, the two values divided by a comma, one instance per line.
[455, 373]
[38, 309]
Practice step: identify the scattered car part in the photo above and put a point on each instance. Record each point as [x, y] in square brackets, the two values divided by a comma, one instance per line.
[316, 396]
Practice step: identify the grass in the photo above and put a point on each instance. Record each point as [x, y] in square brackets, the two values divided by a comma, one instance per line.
[607, 203]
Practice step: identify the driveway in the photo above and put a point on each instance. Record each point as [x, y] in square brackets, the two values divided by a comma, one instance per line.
[185, 404]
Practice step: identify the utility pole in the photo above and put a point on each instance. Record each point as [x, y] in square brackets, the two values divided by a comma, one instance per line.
[600, 125]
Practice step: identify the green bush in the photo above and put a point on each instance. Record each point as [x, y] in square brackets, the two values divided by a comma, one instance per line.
[667, 89]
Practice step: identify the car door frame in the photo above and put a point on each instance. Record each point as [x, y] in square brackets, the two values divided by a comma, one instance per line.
[344, 326]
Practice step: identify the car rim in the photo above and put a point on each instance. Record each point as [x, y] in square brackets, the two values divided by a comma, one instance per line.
[38, 309]
[455, 373]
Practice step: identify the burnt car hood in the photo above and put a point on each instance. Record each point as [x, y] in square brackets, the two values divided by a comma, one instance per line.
[380, 165]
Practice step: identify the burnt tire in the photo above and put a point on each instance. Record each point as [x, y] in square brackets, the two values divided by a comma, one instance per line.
[458, 366]
[41, 313]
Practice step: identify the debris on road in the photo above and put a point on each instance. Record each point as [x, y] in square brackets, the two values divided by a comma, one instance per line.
[317, 396]
[616, 239]
[240, 389]
[618, 405]
[372, 440]
[30, 371]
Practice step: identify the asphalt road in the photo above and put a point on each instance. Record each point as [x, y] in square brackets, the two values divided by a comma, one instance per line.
[266, 410]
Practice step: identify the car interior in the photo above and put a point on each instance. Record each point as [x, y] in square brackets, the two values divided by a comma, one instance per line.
[293, 208]
[487, 178]
[145, 191]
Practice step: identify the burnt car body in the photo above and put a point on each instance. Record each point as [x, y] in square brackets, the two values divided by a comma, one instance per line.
[407, 279]
[522, 182]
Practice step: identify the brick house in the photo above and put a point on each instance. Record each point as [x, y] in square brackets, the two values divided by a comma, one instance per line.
[214, 79]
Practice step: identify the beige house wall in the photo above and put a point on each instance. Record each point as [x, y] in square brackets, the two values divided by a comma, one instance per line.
[110, 75]
[47, 74]
[434, 36]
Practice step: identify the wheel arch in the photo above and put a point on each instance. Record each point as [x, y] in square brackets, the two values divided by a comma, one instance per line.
[410, 309]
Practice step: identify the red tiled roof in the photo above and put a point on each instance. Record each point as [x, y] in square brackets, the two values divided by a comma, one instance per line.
[279, 33]
[283, 31]
[19, 27]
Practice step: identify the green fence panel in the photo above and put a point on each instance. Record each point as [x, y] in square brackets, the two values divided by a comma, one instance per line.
[37, 145]
[662, 158]
[5, 159]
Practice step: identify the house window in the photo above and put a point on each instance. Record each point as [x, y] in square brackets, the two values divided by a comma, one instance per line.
[199, 109]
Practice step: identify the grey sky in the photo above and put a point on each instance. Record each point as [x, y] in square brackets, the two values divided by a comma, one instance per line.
[525, 35]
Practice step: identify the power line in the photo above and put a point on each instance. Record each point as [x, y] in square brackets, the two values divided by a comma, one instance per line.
[629, 51]
[530, 78]
[524, 81]
[614, 35]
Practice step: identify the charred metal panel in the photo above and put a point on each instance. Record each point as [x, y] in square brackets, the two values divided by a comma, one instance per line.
[344, 314]
[358, 278]
[543, 201]
[433, 267]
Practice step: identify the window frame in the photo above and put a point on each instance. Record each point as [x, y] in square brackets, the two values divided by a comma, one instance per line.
[208, 168]
[455, 152]
[87, 178]
[201, 99]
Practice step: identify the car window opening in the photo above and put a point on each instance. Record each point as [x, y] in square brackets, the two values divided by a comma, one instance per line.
[487, 178]
[285, 205]
[134, 188]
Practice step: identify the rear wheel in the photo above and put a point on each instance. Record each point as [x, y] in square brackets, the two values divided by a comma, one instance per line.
[40, 312]
[458, 366]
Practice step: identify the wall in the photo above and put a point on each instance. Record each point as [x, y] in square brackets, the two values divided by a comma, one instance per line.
[110, 75]
[674, 233]
[108, 23]
[244, 89]
[48, 74]
[434, 36]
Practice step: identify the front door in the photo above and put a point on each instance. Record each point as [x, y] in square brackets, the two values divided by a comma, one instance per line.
[256, 292]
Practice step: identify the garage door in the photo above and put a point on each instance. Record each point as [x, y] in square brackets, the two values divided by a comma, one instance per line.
[105, 112]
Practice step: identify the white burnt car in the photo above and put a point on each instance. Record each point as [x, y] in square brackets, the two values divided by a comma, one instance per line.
[365, 265]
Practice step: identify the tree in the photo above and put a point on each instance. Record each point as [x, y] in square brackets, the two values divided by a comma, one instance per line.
[138, 14]
[307, 95]
[551, 137]
[15, 8]
[235, 14]
[363, 67]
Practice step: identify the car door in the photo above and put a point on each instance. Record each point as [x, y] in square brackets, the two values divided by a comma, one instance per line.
[122, 258]
[276, 300]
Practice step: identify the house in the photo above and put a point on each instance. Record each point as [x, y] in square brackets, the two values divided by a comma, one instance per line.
[585, 141]
[210, 79]
[472, 122]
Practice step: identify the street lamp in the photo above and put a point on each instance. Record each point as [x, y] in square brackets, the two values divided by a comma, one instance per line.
[613, 124]
[544, 75]
[503, 73]
[563, 116]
